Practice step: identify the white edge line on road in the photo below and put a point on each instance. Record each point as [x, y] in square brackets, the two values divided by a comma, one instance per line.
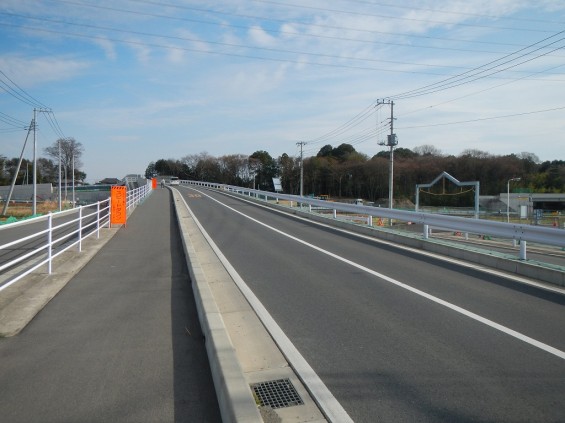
[328, 404]
[492, 324]
[458, 262]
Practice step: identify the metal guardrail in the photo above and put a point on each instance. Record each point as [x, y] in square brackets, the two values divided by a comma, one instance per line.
[60, 234]
[521, 233]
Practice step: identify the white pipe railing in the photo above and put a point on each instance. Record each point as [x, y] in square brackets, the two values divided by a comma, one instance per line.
[521, 233]
[134, 197]
[82, 226]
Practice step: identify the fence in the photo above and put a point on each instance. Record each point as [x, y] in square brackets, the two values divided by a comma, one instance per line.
[47, 237]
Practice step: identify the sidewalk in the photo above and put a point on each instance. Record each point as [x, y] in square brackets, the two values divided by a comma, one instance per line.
[121, 342]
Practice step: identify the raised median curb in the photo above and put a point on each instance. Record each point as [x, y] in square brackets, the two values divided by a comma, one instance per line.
[232, 389]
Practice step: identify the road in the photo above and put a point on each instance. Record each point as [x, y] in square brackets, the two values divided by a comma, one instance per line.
[395, 335]
[121, 342]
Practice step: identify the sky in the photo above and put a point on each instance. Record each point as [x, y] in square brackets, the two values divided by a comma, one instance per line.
[136, 81]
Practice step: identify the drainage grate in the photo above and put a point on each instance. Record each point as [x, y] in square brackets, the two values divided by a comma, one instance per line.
[277, 393]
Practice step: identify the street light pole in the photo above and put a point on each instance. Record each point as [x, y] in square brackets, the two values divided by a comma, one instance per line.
[508, 198]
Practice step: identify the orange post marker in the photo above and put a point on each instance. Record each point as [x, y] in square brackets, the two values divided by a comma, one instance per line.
[118, 211]
[154, 183]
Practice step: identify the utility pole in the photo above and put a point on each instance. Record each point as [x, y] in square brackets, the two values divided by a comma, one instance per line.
[34, 202]
[301, 144]
[11, 191]
[392, 141]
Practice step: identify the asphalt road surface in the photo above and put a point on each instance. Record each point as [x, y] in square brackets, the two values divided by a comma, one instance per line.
[121, 342]
[395, 335]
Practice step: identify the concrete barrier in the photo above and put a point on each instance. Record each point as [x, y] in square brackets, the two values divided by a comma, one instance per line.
[234, 395]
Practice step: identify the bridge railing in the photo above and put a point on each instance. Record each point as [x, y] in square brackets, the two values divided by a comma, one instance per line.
[49, 236]
[519, 233]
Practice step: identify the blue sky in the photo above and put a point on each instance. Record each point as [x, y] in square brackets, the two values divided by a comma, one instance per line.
[138, 80]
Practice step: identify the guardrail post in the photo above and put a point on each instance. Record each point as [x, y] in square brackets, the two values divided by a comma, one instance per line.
[335, 213]
[79, 229]
[310, 208]
[49, 242]
[522, 249]
[426, 231]
[370, 221]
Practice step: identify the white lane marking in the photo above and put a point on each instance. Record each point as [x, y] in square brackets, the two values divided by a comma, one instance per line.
[436, 256]
[492, 324]
[329, 405]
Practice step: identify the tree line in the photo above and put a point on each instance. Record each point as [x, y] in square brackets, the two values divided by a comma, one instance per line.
[342, 172]
[47, 168]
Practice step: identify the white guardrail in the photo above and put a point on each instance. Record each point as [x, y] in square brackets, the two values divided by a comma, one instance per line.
[521, 233]
[59, 234]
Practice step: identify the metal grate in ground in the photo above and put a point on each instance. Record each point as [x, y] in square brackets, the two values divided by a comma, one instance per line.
[277, 393]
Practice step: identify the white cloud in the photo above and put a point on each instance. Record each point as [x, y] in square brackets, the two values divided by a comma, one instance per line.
[108, 47]
[259, 36]
[34, 71]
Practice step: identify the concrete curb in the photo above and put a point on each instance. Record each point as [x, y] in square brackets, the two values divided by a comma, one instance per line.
[232, 389]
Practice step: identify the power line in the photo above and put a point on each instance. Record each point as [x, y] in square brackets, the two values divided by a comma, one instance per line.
[291, 33]
[269, 49]
[461, 78]
[12, 121]
[349, 12]
[457, 79]
[50, 117]
[475, 15]
[480, 91]
[17, 92]
[315, 25]
[483, 119]
[229, 54]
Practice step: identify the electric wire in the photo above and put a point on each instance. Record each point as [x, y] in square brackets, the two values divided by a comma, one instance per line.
[225, 44]
[316, 25]
[18, 92]
[222, 53]
[12, 121]
[475, 15]
[483, 119]
[456, 80]
[247, 28]
[349, 12]
[479, 92]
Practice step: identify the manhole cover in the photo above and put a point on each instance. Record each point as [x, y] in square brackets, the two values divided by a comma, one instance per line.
[277, 393]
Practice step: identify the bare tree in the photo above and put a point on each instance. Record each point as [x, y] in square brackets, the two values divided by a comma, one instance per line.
[70, 149]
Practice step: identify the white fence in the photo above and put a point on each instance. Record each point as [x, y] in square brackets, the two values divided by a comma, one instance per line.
[519, 233]
[61, 232]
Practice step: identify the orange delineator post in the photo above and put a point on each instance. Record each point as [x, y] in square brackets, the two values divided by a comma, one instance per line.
[154, 183]
[118, 211]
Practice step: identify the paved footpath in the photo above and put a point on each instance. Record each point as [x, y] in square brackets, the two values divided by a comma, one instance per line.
[121, 342]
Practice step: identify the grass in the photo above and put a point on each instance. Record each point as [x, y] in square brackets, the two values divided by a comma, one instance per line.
[24, 210]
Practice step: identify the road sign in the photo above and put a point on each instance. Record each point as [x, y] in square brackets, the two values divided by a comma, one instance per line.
[118, 212]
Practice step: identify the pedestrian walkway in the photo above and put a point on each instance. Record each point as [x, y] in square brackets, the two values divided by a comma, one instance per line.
[121, 342]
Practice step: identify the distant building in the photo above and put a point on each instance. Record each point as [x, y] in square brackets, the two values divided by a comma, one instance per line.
[109, 181]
